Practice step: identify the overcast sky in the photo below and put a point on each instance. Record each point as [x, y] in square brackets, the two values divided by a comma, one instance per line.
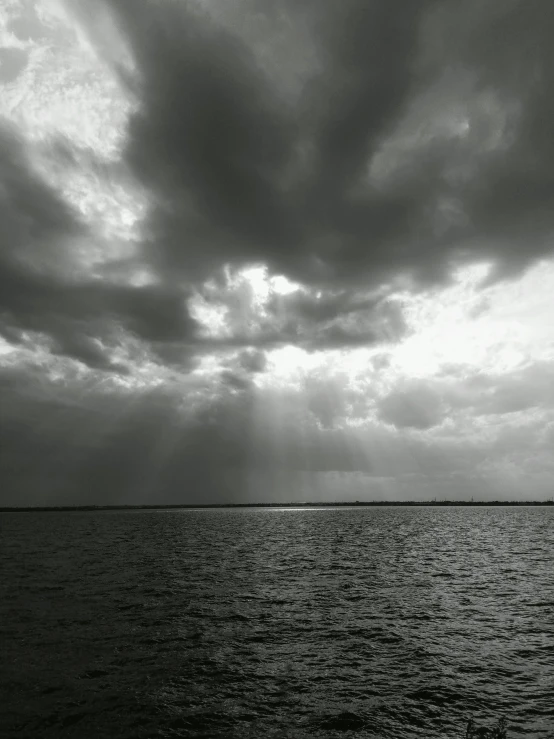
[277, 250]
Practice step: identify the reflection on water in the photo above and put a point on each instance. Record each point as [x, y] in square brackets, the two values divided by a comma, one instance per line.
[381, 622]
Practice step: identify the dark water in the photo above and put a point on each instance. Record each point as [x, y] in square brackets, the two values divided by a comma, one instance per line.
[382, 622]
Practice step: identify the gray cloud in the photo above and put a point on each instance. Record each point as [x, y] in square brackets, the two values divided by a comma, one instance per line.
[252, 361]
[93, 444]
[415, 406]
[89, 444]
[76, 313]
[310, 319]
[418, 137]
[523, 389]
[240, 369]
[215, 143]
[334, 188]
[37, 289]
[333, 319]
[34, 216]
[12, 62]
[424, 404]
[26, 25]
[237, 174]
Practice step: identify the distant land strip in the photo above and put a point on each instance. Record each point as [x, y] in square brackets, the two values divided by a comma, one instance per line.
[348, 504]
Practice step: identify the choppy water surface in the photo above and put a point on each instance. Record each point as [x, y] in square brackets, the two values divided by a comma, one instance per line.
[380, 622]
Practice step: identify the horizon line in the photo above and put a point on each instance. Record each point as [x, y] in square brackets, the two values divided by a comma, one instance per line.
[302, 504]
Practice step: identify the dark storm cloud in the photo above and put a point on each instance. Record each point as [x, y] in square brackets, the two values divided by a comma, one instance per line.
[217, 146]
[34, 221]
[75, 313]
[509, 47]
[238, 174]
[309, 319]
[338, 309]
[331, 320]
[37, 292]
[85, 349]
[252, 361]
[240, 369]
[368, 53]
[342, 333]
[209, 140]
[34, 217]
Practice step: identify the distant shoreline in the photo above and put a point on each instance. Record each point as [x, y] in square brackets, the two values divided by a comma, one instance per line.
[207, 506]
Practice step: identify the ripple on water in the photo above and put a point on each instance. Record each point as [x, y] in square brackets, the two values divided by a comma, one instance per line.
[396, 622]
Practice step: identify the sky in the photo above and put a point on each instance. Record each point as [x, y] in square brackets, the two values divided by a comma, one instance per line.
[276, 250]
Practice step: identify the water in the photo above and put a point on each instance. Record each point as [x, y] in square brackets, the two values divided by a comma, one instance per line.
[381, 622]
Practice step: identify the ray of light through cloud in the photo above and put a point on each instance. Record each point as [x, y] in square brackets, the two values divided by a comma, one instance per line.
[285, 251]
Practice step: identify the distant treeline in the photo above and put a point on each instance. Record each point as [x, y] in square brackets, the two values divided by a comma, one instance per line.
[355, 503]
